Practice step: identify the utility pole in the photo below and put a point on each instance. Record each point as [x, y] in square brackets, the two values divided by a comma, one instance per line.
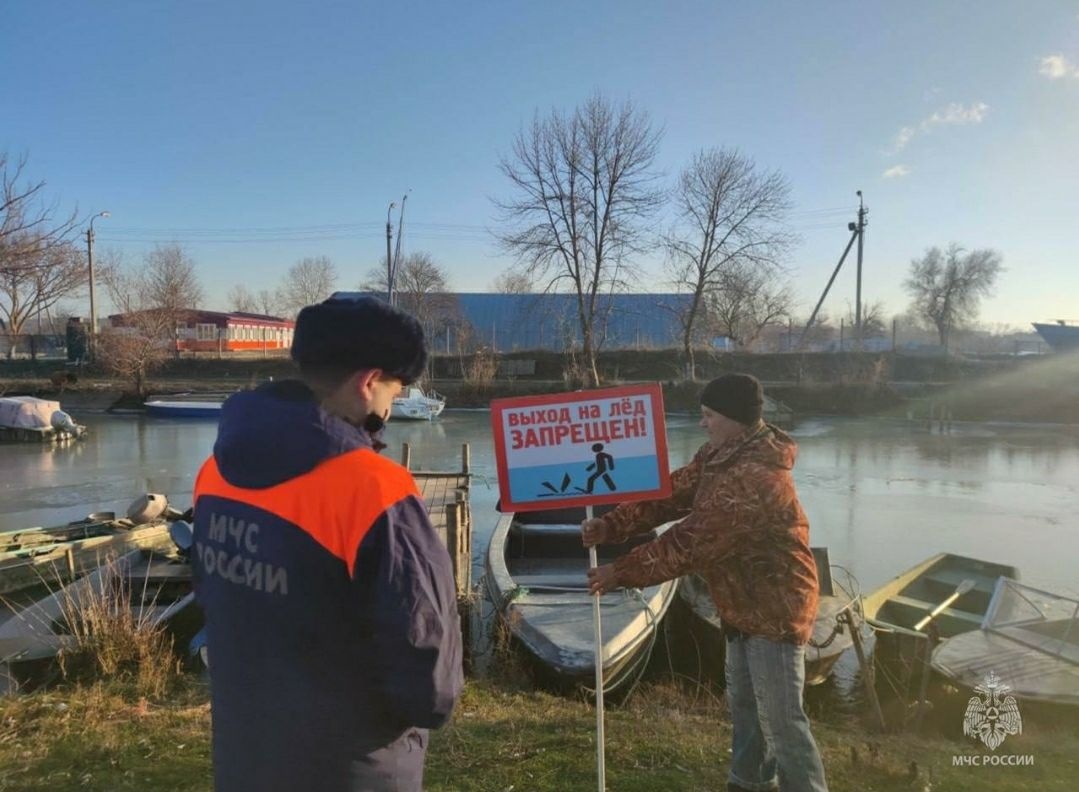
[858, 289]
[389, 255]
[90, 263]
[397, 247]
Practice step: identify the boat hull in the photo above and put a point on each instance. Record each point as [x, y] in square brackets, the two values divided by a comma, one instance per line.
[544, 603]
[966, 660]
[156, 587]
[826, 645]
[43, 563]
[893, 609]
[176, 409]
[417, 406]
[1059, 337]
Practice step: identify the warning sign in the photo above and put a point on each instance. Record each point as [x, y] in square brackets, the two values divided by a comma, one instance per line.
[581, 448]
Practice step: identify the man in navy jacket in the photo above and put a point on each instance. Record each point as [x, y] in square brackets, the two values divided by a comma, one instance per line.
[332, 628]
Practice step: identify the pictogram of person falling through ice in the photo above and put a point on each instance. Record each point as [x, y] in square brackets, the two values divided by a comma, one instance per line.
[604, 463]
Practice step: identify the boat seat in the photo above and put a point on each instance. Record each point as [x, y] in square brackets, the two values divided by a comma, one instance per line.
[554, 580]
[925, 607]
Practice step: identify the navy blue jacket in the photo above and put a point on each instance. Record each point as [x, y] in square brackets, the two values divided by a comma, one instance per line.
[331, 616]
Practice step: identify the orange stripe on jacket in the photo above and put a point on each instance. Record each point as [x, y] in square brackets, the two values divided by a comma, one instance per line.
[335, 503]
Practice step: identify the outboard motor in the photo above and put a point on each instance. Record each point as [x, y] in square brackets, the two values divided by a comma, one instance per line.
[63, 422]
[147, 508]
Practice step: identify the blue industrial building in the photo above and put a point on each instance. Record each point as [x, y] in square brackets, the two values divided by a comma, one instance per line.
[509, 322]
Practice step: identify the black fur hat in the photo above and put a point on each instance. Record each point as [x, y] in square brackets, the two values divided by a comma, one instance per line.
[362, 333]
[737, 396]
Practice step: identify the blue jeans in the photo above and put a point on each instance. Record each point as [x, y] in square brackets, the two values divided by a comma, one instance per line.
[772, 744]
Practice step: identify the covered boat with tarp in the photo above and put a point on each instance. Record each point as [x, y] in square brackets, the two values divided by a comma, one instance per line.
[28, 418]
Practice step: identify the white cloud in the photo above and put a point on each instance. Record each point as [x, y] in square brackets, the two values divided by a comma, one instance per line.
[954, 114]
[896, 172]
[1056, 67]
[904, 136]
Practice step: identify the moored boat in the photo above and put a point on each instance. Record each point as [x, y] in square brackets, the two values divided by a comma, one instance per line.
[161, 408]
[962, 585]
[1061, 336]
[830, 637]
[29, 419]
[50, 556]
[156, 586]
[536, 576]
[1029, 641]
[415, 405]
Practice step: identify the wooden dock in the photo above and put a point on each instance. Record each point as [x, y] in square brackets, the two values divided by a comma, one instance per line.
[446, 495]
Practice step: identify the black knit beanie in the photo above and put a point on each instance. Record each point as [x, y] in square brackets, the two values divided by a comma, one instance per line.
[737, 396]
[362, 333]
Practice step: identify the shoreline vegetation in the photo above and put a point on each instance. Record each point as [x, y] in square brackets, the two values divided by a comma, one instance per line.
[106, 735]
[128, 729]
[1042, 389]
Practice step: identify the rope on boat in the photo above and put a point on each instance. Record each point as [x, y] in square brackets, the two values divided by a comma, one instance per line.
[636, 669]
[854, 595]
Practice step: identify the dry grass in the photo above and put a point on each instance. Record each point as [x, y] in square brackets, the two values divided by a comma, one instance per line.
[110, 632]
[106, 736]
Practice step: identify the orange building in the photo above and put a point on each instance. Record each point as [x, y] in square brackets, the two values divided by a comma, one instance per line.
[214, 331]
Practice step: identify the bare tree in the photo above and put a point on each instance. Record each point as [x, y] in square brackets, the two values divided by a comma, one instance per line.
[269, 302]
[138, 340]
[746, 299]
[45, 276]
[512, 282]
[308, 281]
[873, 323]
[730, 215]
[170, 280]
[28, 226]
[242, 300]
[947, 287]
[583, 187]
[152, 300]
[421, 289]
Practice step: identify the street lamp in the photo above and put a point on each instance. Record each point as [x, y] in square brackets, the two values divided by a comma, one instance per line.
[90, 259]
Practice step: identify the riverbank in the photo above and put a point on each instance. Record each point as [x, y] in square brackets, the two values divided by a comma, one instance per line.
[502, 737]
[1042, 389]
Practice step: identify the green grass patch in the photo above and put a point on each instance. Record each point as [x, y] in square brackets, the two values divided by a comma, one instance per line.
[107, 736]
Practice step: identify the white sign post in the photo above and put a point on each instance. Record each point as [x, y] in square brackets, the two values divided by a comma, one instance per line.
[601, 769]
[582, 449]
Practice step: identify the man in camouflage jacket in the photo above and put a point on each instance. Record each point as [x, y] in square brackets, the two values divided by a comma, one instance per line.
[742, 529]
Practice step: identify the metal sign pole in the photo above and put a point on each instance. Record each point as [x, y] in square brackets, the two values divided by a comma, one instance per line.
[601, 772]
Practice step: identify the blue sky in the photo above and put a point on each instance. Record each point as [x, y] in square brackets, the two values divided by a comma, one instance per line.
[258, 133]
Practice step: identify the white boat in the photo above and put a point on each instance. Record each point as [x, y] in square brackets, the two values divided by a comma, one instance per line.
[30, 418]
[537, 578]
[416, 405]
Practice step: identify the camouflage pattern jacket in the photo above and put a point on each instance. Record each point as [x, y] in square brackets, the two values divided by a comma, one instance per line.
[741, 528]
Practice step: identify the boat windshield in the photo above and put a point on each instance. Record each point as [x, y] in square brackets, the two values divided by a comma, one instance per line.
[1039, 619]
